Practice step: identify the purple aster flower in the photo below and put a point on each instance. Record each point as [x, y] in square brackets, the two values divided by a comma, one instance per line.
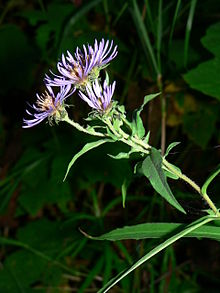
[97, 97]
[48, 105]
[84, 66]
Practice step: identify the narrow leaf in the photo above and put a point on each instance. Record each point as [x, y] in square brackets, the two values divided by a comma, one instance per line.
[123, 155]
[146, 139]
[124, 188]
[87, 147]
[143, 34]
[210, 179]
[152, 169]
[120, 156]
[137, 124]
[170, 147]
[188, 29]
[157, 230]
[195, 225]
[170, 174]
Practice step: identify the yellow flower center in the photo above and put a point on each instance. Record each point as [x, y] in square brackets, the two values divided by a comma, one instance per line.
[46, 102]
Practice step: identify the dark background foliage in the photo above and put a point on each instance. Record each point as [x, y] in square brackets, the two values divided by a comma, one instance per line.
[42, 249]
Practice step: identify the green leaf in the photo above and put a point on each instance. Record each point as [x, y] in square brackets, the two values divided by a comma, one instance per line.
[204, 78]
[119, 156]
[157, 230]
[200, 126]
[44, 235]
[124, 188]
[20, 270]
[146, 139]
[144, 35]
[169, 173]
[45, 187]
[137, 124]
[117, 123]
[188, 29]
[193, 226]
[176, 52]
[89, 146]
[211, 39]
[124, 155]
[170, 147]
[209, 180]
[152, 169]
[96, 269]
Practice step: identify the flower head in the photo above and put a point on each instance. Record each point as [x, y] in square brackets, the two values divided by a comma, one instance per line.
[97, 97]
[84, 66]
[48, 105]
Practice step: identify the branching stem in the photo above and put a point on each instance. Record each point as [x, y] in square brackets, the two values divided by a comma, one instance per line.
[140, 145]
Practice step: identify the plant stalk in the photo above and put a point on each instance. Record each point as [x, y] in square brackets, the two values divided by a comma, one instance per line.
[193, 184]
[80, 128]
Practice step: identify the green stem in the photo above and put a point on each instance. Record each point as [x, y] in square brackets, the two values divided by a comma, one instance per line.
[181, 175]
[134, 141]
[124, 137]
[80, 128]
[193, 184]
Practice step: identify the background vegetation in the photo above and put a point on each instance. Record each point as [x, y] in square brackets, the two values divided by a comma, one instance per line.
[171, 45]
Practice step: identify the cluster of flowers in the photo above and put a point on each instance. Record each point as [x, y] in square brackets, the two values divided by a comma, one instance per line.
[79, 72]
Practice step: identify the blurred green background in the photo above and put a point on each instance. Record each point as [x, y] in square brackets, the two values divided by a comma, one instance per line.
[171, 45]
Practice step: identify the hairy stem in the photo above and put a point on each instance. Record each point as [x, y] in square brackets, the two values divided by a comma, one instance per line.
[193, 184]
[181, 175]
[81, 128]
[124, 137]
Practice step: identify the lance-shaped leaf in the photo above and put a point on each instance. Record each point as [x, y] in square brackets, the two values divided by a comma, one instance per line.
[190, 228]
[126, 155]
[170, 147]
[137, 124]
[152, 169]
[210, 179]
[157, 230]
[124, 188]
[87, 147]
[170, 174]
